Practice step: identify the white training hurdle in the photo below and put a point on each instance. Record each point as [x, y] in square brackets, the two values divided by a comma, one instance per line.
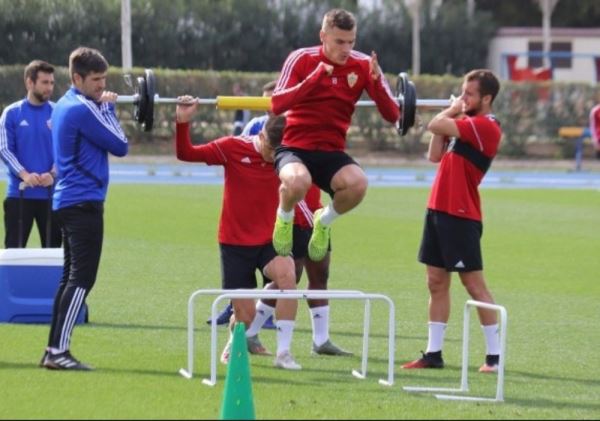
[289, 295]
[464, 386]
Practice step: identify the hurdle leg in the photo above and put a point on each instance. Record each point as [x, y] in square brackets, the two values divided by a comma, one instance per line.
[213, 344]
[465, 359]
[500, 380]
[365, 351]
[188, 374]
[391, 344]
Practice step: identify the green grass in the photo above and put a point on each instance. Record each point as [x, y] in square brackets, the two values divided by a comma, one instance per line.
[541, 262]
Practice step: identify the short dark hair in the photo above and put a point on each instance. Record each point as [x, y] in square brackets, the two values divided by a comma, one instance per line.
[339, 18]
[85, 60]
[274, 129]
[488, 82]
[269, 86]
[36, 66]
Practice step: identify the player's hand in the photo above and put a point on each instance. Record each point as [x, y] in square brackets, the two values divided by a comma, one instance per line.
[328, 68]
[108, 96]
[31, 179]
[374, 69]
[46, 179]
[456, 105]
[186, 108]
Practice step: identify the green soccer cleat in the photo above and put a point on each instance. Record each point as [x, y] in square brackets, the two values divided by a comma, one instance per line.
[283, 237]
[319, 240]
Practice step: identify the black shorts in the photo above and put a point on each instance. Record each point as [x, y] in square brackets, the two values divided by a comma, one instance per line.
[301, 239]
[451, 242]
[321, 165]
[239, 264]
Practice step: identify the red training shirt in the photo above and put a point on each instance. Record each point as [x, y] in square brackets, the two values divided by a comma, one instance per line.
[251, 193]
[320, 107]
[455, 188]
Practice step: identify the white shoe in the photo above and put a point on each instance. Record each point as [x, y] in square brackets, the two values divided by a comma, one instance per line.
[286, 361]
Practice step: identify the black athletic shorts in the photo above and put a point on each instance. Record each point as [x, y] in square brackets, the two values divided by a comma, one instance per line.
[301, 239]
[322, 165]
[239, 264]
[451, 242]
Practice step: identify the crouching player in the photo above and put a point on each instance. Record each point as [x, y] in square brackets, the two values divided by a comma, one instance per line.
[250, 199]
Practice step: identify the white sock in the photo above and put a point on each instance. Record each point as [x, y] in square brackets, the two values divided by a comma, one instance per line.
[55, 351]
[437, 331]
[285, 216]
[492, 339]
[285, 329]
[329, 214]
[320, 324]
[263, 312]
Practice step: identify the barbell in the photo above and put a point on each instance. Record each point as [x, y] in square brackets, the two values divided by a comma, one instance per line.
[145, 97]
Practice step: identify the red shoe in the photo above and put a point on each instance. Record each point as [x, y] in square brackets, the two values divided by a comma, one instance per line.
[429, 360]
[491, 364]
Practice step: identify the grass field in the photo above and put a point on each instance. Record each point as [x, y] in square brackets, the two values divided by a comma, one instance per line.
[541, 261]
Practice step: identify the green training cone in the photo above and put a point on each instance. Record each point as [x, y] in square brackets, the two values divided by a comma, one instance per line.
[238, 402]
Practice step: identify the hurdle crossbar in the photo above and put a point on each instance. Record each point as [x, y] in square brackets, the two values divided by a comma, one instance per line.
[464, 385]
[289, 295]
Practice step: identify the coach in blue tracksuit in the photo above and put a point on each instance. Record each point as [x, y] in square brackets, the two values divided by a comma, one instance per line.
[26, 149]
[84, 131]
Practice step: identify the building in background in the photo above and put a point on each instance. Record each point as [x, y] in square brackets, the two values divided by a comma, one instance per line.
[574, 54]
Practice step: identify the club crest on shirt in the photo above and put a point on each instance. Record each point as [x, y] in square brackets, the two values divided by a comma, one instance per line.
[49, 124]
[352, 79]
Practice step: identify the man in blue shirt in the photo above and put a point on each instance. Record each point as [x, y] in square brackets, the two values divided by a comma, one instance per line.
[85, 130]
[26, 149]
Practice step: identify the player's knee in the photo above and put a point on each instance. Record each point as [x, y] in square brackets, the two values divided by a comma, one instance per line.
[297, 185]
[437, 285]
[360, 185]
[286, 280]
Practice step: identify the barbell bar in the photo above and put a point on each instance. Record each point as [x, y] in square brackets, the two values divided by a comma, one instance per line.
[145, 97]
[259, 103]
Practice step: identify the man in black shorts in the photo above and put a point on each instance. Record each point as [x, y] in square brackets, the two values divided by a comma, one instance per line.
[453, 228]
[318, 88]
[247, 218]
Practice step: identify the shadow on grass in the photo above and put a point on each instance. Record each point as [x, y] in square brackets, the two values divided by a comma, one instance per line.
[550, 403]
[97, 370]
[527, 374]
[135, 326]
[359, 334]
[206, 328]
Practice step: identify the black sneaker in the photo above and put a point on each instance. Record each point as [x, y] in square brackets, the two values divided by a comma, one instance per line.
[64, 361]
[428, 360]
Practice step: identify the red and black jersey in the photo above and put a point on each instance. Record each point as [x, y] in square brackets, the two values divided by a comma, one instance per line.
[251, 193]
[455, 188]
[319, 106]
[304, 210]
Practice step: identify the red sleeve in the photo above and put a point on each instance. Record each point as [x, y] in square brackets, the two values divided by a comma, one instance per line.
[380, 92]
[211, 153]
[291, 86]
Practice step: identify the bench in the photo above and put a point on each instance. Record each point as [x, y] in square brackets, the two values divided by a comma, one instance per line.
[579, 134]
